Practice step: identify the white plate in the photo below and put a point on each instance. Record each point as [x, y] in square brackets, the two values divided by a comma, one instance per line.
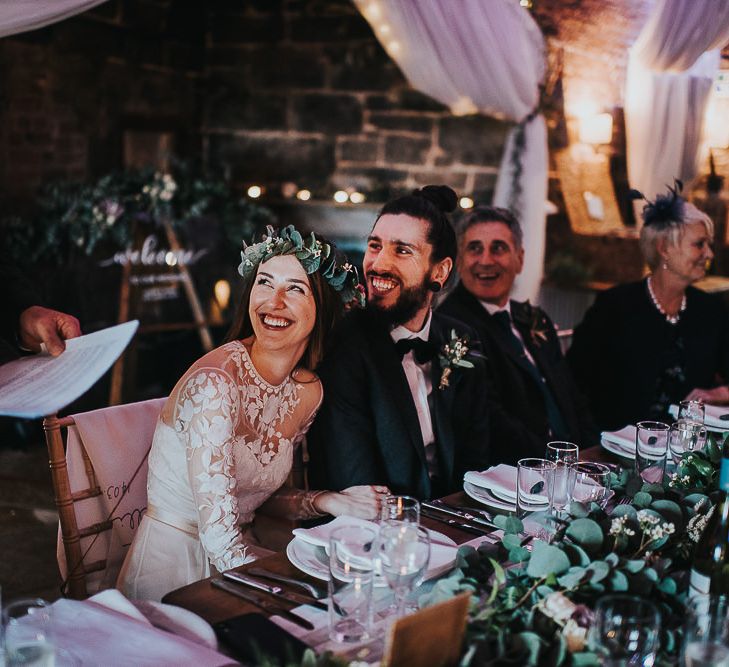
[313, 560]
[511, 499]
[482, 496]
[614, 448]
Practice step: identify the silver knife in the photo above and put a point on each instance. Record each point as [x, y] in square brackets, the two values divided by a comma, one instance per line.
[262, 603]
[277, 591]
[461, 525]
[457, 514]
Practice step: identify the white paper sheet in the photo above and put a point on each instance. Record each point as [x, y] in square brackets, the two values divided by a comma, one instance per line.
[41, 385]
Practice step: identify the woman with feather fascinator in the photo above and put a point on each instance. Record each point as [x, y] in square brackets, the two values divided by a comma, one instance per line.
[645, 345]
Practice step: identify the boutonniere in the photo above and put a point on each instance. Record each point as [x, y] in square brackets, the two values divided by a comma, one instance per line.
[536, 321]
[451, 355]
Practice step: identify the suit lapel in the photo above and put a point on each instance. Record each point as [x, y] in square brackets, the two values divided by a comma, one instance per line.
[394, 382]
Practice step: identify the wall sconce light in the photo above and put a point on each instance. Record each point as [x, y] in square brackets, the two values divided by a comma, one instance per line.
[222, 293]
[595, 129]
[716, 128]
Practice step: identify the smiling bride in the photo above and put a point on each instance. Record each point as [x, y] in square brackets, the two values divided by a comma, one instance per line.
[225, 440]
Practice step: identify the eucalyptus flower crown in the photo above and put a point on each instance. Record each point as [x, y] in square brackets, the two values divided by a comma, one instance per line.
[313, 254]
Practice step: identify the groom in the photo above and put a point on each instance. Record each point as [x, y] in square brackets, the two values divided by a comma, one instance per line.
[398, 409]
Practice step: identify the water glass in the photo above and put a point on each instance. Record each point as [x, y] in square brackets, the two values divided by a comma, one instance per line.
[534, 485]
[564, 454]
[400, 508]
[28, 634]
[706, 632]
[625, 631]
[404, 557]
[351, 574]
[589, 483]
[685, 435]
[651, 443]
[693, 410]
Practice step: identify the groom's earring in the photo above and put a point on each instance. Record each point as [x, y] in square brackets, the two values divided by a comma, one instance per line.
[435, 286]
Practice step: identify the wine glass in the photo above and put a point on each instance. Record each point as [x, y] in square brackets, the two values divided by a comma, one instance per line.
[685, 436]
[693, 410]
[563, 454]
[589, 483]
[706, 631]
[28, 633]
[400, 508]
[404, 557]
[625, 631]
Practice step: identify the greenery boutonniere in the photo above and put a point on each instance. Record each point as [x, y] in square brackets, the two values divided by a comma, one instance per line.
[535, 319]
[452, 355]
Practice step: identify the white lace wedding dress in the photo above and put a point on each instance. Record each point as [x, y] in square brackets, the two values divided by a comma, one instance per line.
[223, 445]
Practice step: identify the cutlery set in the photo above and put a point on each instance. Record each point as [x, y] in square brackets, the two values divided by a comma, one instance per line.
[247, 585]
[472, 521]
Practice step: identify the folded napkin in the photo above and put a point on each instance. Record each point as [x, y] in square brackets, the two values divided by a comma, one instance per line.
[712, 416]
[624, 438]
[501, 480]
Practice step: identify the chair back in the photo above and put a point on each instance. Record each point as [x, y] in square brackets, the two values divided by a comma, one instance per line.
[100, 485]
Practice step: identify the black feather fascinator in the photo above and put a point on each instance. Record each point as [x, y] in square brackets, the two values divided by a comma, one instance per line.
[666, 209]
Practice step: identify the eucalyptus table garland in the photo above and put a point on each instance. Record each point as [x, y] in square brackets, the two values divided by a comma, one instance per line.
[71, 218]
[534, 606]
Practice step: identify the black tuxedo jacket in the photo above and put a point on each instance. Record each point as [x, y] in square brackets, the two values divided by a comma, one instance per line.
[520, 427]
[367, 430]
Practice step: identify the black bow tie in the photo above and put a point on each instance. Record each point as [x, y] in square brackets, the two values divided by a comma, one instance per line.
[422, 349]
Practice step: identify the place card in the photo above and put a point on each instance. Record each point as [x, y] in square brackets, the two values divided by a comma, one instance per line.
[431, 636]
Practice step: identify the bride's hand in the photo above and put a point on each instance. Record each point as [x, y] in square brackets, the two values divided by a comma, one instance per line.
[360, 501]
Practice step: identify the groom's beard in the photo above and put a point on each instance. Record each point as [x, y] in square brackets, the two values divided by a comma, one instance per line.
[410, 301]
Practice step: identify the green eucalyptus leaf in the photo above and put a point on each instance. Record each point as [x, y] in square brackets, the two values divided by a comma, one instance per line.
[587, 533]
[694, 498]
[633, 486]
[599, 569]
[702, 467]
[547, 559]
[500, 521]
[576, 554]
[532, 642]
[511, 541]
[651, 574]
[577, 510]
[625, 510]
[519, 555]
[653, 489]
[575, 575]
[633, 566]
[586, 659]
[513, 525]
[612, 559]
[642, 499]
[617, 581]
[668, 586]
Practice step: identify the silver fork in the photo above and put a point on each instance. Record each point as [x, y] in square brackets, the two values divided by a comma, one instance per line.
[312, 590]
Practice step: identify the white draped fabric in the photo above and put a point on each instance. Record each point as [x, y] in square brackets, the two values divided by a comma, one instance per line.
[670, 70]
[23, 15]
[480, 57]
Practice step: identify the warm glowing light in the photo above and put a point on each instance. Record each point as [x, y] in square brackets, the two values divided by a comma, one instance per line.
[356, 197]
[716, 128]
[170, 258]
[384, 29]
[394, 46]
[255, 191]
[289, 190]
[340, 196]
[526, 3]
[373, 11]
[222, 293]
[584, 109]
[303, 195]
[466, 202]
[596, 129]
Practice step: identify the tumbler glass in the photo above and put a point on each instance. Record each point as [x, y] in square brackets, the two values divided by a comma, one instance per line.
[651, 443]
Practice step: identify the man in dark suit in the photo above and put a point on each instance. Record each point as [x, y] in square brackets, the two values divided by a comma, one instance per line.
[538, 398]
[398, 408]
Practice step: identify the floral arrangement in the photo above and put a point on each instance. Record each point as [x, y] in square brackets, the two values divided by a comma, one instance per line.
[77, 217]
[452, 355]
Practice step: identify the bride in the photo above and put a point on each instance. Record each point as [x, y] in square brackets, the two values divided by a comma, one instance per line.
[225, 439]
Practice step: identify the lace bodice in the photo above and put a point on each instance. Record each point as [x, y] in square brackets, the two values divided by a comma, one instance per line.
[225, 444]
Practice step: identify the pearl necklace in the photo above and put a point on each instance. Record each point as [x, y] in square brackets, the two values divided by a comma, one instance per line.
[671, 319]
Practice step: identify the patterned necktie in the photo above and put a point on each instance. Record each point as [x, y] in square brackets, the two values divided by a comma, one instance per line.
[554, 415]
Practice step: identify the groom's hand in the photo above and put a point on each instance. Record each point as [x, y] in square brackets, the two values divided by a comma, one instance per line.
[363, 502]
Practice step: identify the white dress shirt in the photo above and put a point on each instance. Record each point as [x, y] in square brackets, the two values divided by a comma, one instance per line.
[418, 376]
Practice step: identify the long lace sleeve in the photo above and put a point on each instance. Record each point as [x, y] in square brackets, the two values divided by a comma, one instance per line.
[289, 501]
[206, 415]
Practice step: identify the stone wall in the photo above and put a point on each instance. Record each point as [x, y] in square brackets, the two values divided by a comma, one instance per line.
[69, 91]
[302, 92]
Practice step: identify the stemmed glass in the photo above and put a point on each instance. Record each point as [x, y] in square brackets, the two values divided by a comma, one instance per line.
[685, 436]
[589, 483]
[404, 557]
[400, 508]
[693, 410]
[28, 633]
[625, 631]
[564, 454]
